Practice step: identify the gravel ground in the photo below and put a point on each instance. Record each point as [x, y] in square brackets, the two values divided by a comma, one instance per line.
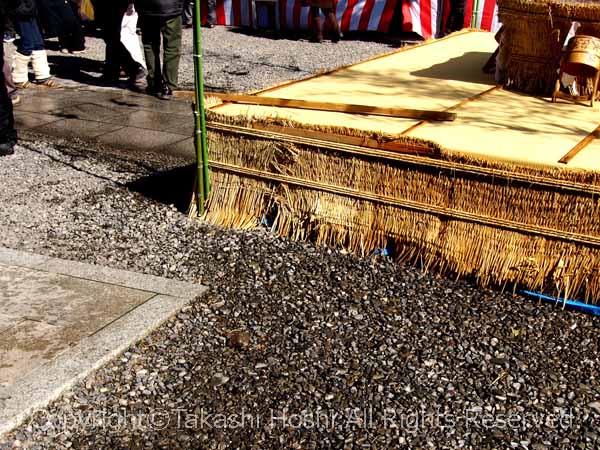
[294, 346]
[233, 60]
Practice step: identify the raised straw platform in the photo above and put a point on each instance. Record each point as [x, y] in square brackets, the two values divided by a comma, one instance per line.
[507, 194]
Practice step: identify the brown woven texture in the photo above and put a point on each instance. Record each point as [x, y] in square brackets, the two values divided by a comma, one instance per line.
[534, 39]
[491, 255]
[535, 32]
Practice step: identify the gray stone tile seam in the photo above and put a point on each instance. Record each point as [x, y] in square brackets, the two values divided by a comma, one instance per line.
[130, 310]
[58, 119]
[48, 259]
[63, 119]
[146, 129]
[108, 283]
[22, 319]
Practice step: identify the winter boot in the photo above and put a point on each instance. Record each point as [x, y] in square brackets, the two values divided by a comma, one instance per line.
[20, 70]
[41, 69]
[318, 26]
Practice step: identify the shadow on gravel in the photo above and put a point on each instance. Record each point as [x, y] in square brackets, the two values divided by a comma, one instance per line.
[169, 187]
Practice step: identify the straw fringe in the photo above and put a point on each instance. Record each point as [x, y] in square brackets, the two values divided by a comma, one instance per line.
[491, 255]
[534, 39]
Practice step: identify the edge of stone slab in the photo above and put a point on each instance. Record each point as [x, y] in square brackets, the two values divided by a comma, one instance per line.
[49, 382]
[101, 274]
[12, 257]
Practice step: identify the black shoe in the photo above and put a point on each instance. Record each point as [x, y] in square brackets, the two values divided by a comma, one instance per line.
[165, 93]
[137, 81]
[209, 25]
[7, 148]
[153, 88]
[109, 79]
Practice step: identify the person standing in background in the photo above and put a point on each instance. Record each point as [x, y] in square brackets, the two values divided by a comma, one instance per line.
[30, 46]
[58, 18]
[188, 14]
[8, 134]
[327, 7]
[161, 18]
[109, 16]
[11, 87]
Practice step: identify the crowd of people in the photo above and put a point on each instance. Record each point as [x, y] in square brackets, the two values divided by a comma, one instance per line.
[151, 68]
[159, 22]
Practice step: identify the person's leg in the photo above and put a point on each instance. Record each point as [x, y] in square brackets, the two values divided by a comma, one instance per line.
[211, 17]
[187, 16]
[317, 25]
[31, 48]
[11, 88]
[30, 36]
[335, 28]
[8, 134]
[151, 41]
[9, 30]
[171, 33]
[70, 33]
[111, 33]
[30, 41]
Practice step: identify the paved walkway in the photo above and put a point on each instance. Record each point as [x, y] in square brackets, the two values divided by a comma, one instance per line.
[60, 320]
[118, 118]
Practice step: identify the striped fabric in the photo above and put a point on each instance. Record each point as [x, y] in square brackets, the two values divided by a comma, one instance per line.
[428, 17]
[423, 17]
[352, 15]
[234, 12]
[482, 14]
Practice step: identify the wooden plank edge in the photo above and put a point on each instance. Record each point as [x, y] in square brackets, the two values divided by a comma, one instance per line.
[580, 146]
[338, 107]
[393, 146]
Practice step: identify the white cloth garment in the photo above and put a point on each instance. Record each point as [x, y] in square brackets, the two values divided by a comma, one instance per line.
[130, 39]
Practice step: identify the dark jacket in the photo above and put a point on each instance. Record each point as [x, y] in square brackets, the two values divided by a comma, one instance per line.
[21, 9]
[159, 8]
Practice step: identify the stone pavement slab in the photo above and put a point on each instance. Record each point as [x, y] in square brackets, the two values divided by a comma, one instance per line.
[113, 117]
[61, 320]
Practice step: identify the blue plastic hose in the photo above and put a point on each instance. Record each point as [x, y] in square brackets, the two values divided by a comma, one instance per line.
[571, 304]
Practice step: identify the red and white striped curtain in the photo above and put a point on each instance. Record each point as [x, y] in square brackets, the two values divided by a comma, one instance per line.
[482, 14]
[352, 15]
[428, 17]
[425, 17]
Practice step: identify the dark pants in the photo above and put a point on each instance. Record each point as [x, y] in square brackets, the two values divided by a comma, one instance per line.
[188, 12]
[187, 16]
[456, 17]
[170, 30]
[109, 16]
[30, 36]
[11, 88]
[59, 19]
[8, 134]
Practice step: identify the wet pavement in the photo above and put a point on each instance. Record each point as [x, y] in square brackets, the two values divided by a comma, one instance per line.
[62, 319]
[113, 117]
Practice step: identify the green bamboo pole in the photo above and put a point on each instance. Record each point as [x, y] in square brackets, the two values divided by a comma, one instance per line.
[475, 14]
[203, 185]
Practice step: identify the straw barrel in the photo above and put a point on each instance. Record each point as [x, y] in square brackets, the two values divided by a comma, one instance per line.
[535, 40]
[583, 56]
[586, 12]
